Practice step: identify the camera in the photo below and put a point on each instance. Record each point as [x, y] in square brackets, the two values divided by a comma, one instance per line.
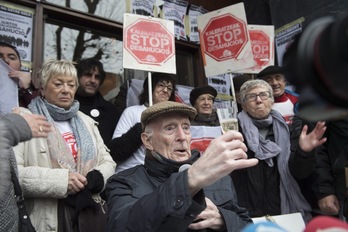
[316, 63]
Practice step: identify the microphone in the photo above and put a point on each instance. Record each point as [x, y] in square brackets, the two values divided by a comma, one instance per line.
[184, 167]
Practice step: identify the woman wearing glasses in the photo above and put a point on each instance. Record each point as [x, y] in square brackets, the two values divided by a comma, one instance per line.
[126, 147]
[269, 188]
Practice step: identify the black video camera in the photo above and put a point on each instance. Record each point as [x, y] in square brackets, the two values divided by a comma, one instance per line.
[316, 63]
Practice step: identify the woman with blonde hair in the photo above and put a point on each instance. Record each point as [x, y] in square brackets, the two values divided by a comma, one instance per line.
[62, 176]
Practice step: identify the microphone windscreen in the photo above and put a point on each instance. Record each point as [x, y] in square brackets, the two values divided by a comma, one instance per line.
[326, 224]
[184, 167]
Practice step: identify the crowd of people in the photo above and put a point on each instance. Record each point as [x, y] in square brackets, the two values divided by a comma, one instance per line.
[83, 165]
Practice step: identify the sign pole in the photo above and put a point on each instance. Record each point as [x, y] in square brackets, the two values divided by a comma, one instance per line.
[149, 82]
[232, 87]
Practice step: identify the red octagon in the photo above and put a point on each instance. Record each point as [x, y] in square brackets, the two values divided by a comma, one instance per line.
[224, 37]
[261, 46]
[149, 42]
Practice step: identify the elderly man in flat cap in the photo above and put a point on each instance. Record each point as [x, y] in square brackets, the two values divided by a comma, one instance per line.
[165, 195]
[285, 101]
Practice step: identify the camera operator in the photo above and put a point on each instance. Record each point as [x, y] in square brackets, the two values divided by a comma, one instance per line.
[317, 65]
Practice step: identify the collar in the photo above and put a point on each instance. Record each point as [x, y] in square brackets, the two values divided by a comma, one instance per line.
[88, 100]
[159, 166]
[281, 98]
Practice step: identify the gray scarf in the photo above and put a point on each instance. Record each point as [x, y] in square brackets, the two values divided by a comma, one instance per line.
[59, 151]
[292, 200]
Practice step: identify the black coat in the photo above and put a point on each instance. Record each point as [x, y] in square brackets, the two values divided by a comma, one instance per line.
[108, 114]
[332, 158]
[258, 187]
[155, 197]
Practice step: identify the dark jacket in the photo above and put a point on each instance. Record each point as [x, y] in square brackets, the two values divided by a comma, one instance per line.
[108, 114]
[332, 158]
[206, 120]
[155, 197]
[258, 187]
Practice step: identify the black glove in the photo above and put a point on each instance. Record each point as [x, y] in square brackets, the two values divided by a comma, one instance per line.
[81, 201]
[95, 181]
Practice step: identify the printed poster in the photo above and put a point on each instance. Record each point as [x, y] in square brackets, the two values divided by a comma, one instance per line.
[140, 7]
[192, 26]
[175, 10]
[16, 28]
[285, 35]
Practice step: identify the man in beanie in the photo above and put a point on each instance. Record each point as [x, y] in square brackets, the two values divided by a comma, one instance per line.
[202, 99]
[285, 101]
[176, 189]
[91, 76]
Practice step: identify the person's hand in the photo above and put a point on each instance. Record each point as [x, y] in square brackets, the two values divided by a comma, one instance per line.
[210, 217]
[223, 155]
[76, 182]
[314, 139]
[329, 205]
[37, 123]
[23, 78]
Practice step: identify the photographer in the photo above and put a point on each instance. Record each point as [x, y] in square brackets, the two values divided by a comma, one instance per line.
[316, 63]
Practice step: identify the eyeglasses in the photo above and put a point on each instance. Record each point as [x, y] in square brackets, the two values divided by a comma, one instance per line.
[162, 86]
[253, 96]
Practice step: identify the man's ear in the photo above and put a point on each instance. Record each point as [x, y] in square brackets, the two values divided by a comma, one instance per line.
[146, 141]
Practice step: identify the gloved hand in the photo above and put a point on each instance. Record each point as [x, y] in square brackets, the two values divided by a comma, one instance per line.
[81, 201]
[95, 181]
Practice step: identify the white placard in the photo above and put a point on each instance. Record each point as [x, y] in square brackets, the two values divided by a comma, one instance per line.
[148, 44]
[262, 44]
[290, 222]
[8, 89]
[225, 42]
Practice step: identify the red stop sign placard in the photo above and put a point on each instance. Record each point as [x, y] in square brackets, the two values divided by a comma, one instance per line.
[224, 37]
[261, 45]
[149, 42]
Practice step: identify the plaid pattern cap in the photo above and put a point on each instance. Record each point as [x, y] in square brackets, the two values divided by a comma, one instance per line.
[166, 107]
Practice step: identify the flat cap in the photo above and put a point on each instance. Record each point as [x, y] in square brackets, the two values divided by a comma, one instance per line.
[166, 107]
[196, 92]
[270, 70]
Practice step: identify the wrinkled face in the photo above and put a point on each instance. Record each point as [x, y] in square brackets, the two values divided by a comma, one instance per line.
[60, 91]
[10, 57]
[162, 91]
[277, 82]
[258, 103]
[89, 83]
[204, 104]
[171, 136]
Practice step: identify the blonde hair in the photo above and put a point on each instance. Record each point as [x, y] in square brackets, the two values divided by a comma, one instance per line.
[52, 68]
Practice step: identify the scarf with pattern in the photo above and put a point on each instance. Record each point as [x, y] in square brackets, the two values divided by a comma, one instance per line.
[60, 153]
